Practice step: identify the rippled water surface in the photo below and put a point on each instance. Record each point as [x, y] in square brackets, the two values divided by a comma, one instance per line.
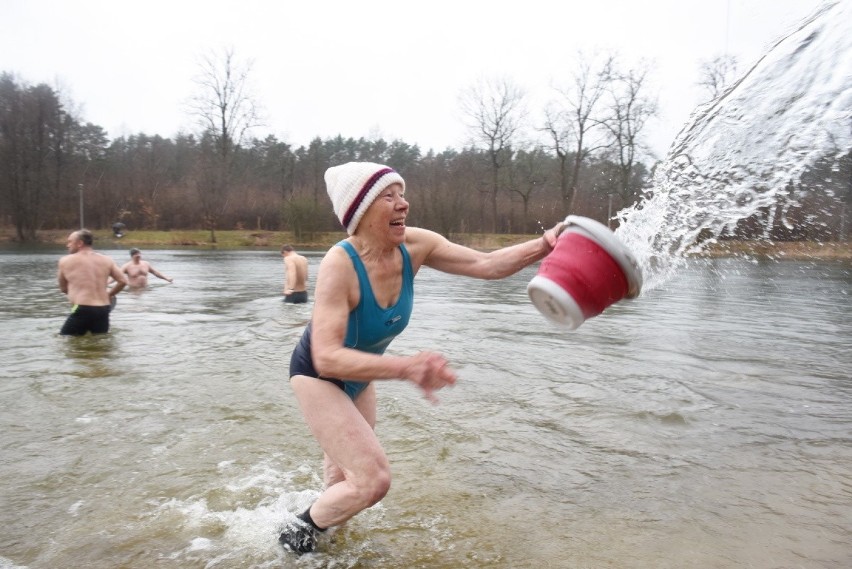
[706, 424]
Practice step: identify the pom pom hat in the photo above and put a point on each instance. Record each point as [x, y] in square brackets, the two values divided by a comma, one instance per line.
[353, 186]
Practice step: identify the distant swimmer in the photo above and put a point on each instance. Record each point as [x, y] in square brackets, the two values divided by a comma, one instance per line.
[137, 270]
[296, 276]
[83, 275]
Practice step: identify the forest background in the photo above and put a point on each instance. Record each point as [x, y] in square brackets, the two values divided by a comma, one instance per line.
[585, 157]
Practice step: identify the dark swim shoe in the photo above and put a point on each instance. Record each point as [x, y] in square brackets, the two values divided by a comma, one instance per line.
[298, 537]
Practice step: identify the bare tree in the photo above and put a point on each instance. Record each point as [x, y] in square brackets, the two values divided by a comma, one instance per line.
[570, 122]
[495, 109]
[716, 75]
[225, 111]
[629, 111]
[528, 175]
[33, 141]
[443, 192]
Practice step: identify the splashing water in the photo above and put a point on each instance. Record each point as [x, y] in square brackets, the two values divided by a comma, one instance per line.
[738, 154]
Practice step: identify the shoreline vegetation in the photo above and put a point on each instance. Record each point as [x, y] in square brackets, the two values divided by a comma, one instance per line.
[259, 239]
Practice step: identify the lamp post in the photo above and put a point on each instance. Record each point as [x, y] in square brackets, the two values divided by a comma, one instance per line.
[80, 189]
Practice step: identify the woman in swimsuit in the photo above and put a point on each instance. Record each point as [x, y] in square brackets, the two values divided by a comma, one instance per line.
[363, 299]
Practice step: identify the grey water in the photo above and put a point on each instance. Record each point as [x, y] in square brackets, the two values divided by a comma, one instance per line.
[705, 424]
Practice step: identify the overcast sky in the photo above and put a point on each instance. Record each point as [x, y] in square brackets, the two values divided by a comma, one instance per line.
[369, 68]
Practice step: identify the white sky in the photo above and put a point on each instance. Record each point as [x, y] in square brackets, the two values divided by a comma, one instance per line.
[368, 68]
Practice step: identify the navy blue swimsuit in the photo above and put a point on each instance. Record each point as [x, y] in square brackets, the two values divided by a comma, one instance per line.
[371, 328]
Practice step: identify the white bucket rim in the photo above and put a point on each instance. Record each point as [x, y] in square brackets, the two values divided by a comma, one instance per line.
[554, 302]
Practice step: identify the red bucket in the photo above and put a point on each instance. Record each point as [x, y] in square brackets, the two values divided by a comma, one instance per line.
[587, 271]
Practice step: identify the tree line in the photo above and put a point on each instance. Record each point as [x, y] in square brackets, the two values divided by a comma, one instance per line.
[584, 159]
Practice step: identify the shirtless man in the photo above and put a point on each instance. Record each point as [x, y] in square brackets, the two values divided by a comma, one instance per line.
[137, 270]
[296, 278]
[83, 276]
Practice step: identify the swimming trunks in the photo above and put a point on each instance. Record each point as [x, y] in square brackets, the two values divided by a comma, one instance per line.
[370, 328]
[298, 297]
[94, 319]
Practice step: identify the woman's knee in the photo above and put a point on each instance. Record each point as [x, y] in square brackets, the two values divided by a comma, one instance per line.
[374, 485]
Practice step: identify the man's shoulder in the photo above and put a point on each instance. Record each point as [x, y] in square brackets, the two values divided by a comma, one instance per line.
[65, 260]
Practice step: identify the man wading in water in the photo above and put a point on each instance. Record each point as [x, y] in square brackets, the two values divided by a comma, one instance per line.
[83, 275]
[137, 270]
[296, 276]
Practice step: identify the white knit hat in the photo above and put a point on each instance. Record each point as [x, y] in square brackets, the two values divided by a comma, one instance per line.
[353, 186]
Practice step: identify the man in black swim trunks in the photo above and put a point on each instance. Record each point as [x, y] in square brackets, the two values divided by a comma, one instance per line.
[83, 275]
[296, 276]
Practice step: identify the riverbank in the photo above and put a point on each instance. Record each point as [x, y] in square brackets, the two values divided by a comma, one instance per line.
[188, 238]
[794, 250]
[244, 239]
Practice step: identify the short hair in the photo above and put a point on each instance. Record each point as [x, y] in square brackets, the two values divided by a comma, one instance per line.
[286, 248]
[135, 251]
[86, 237]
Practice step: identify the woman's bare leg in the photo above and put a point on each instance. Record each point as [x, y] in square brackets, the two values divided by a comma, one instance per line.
[366, 404]
[344, 430]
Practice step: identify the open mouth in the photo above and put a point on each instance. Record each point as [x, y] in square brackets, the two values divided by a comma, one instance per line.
[398, 223]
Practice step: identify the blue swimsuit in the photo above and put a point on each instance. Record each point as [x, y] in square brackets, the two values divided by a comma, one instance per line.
[371, 328]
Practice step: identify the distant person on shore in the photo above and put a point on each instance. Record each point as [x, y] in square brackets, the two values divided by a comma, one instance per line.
[363, 299]
[83, 275]
[137, 270]
[295, 277]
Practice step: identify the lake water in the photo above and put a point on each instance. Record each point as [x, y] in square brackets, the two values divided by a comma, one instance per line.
[706, 424]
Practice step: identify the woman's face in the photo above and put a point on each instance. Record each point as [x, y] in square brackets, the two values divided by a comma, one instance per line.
[387, 213]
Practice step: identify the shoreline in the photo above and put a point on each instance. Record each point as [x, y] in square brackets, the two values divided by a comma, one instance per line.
[792, 250]
[273, 240]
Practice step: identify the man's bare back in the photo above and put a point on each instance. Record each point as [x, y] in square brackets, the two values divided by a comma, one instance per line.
[296, 279]
[83, 274]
